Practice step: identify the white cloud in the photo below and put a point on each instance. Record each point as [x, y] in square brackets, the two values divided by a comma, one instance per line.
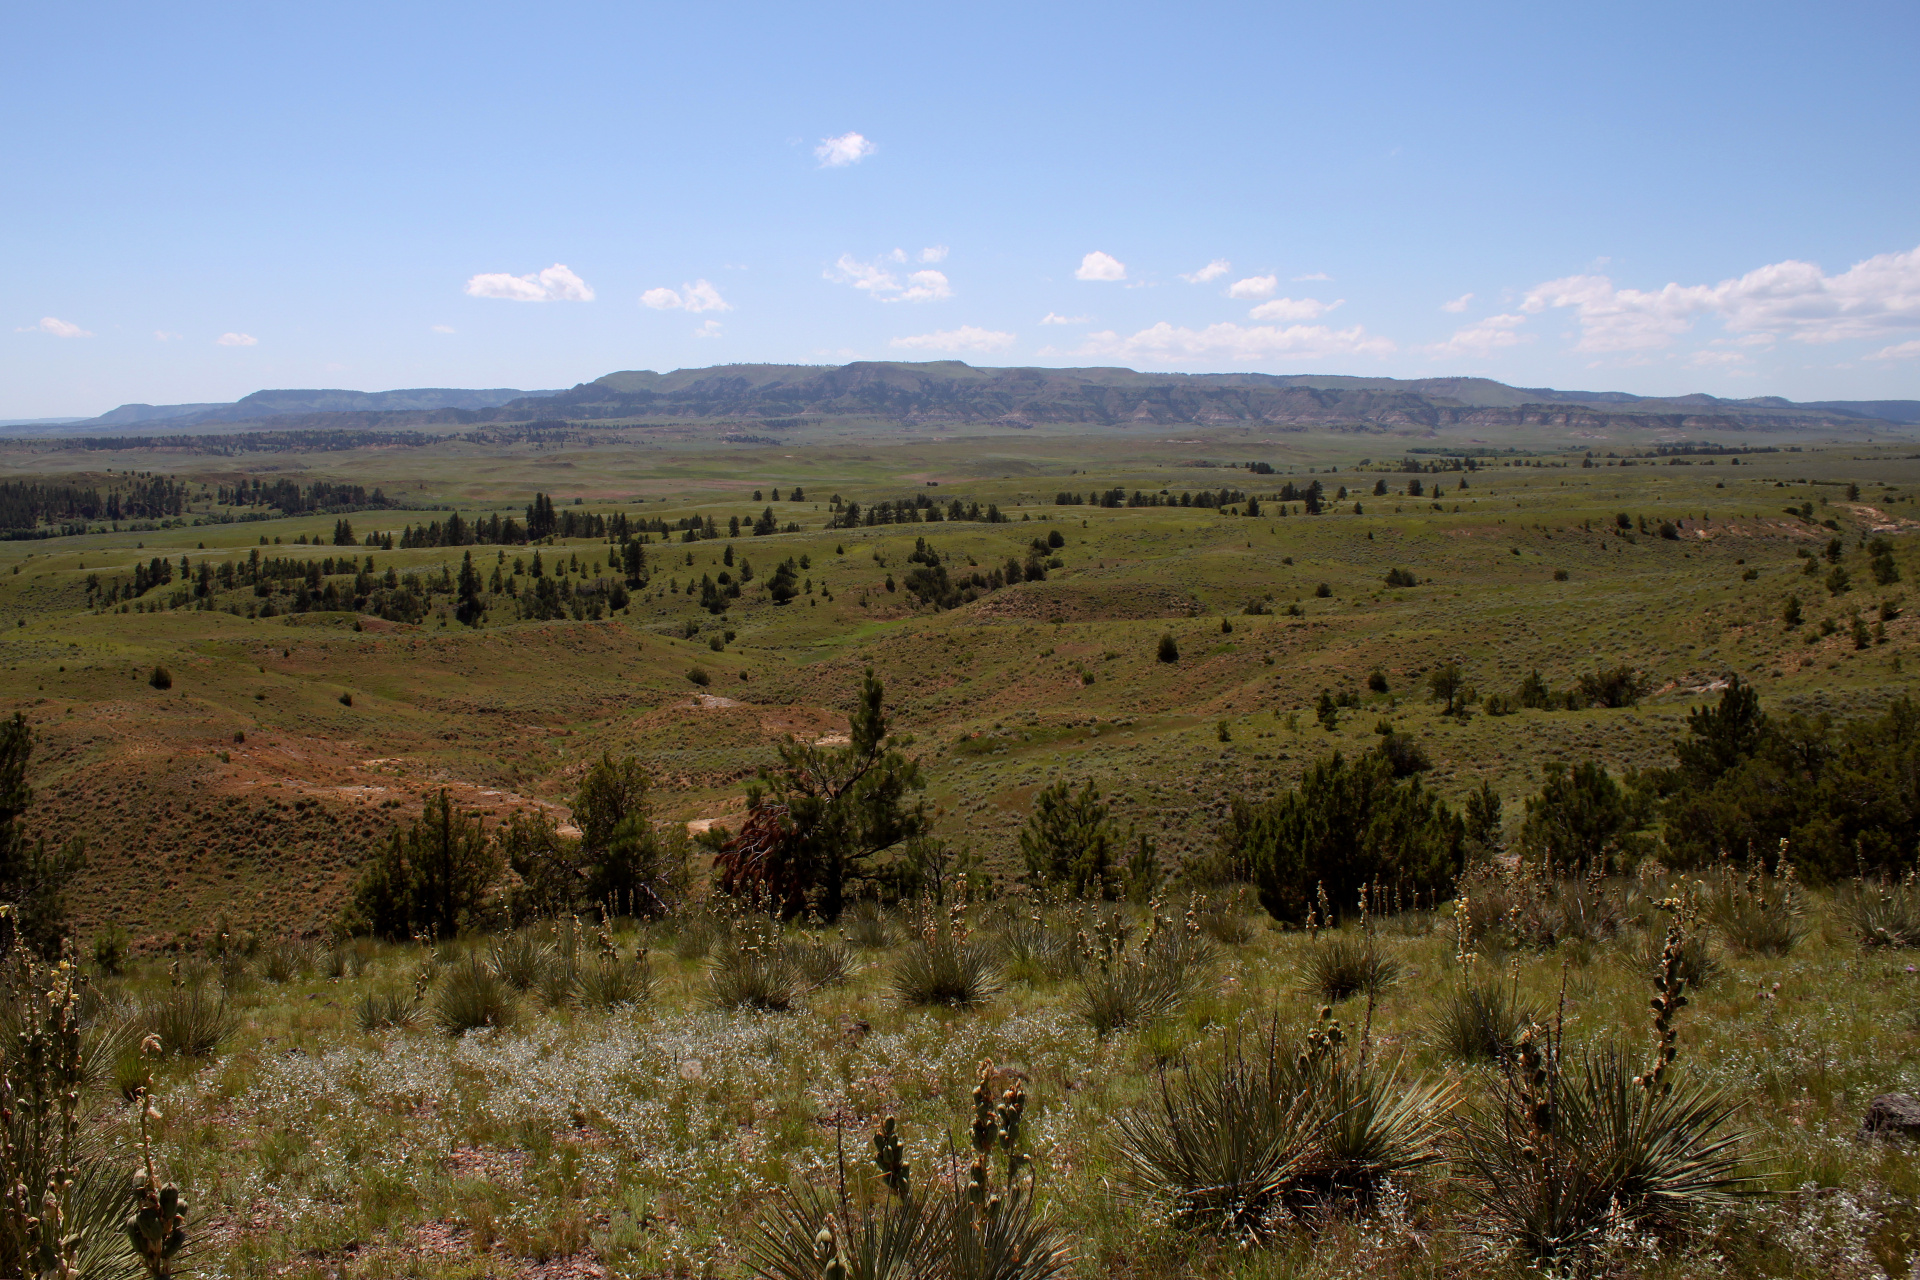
[1484, 337]
[237, 340]
[1235, 342]
[965, 338]
[1101, 266]
[57, 327]
[1458, 305]
[711, 329]
[1254, 287]
[1055, 318]
[1716, 359]
[1902, 351]
[698, 296]
[555, 284]
[1293, 309]
[443, 328]
[876, 281]
[161, 335]
[1313, 275]
[925, 286]
[838, 153]
[1212, 271]
[934, 253]
[1789, 299]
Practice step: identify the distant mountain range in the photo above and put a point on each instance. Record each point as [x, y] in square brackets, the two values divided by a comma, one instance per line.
[275, 404]
[949, 391]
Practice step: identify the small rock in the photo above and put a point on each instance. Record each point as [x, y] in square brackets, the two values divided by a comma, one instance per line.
[1892, 1115]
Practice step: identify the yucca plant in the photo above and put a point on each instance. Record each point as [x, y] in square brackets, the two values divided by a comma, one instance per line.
[865, 925]
[1480, 1021]
[1565, 1157]
[1755, 910]
[1228, 919]
[821, 964]
[1883, 914]
[1031, 949]
[1233, 1143]
[609, 982]
[521, 959]
[284, 960]
[191, 1020]
[386, 1011]
[472, 997]
[1344, 965]
[956, 972]
[754, 977]
[1122, 987]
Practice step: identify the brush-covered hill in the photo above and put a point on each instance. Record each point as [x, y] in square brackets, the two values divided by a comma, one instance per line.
[952, 391]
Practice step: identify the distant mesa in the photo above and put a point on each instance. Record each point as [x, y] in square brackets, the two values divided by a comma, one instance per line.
[778, 397]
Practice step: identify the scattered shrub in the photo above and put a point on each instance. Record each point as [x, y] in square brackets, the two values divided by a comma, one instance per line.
[191, 1020]
[865, 925]
[472, 997]
[1480, 1021]
[1883, 914]
[521, 960]
[387, 1011]
[944, 970]
[1345, 965]
[699, 676]
[160, 678]
[110, 951]
[1168, 651]
[1232, 1142]
[754, 977]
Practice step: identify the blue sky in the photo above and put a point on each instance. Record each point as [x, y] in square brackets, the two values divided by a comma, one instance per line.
[204, 200]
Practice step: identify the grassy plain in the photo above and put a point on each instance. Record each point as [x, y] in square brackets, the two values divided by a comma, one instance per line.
[643, 1142]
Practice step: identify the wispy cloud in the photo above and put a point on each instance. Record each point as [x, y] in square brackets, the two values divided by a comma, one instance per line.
[1055, 318]
[1293, 309]
[1902, 351]
[1312, 275]
[57, 327]
[236, 340]
[877, 281]
[1248, 343]
[1101, 266]
[698, 296]
[934, 253]
[1790, 299]
[555, 284]
[443, 328]
[1458, 305]
[965, 338]
[1483, 337]
[1253, 287]
[1212, 271]
[711, 329]
[161, 335]
[839, 152]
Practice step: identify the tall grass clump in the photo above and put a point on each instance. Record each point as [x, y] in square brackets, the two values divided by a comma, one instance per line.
[754, 968]
[521, 959]
[192, 1020]
[608, 982]
[944, 965]
[1227, 920]
[1572, 1157]
[1756, 911]
[1344, 966]
[1121, 986]
[1883, 914]
[865, 925]
[1234, 1143]
[472, 997]
[1031, 948]
[981, 1222]
[386, 1011]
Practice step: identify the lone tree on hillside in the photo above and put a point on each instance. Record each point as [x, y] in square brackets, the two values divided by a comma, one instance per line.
[1072, 841]
[631, 868]
[1446, 681]
[433, 876]
[814, 835]
[33, 876]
